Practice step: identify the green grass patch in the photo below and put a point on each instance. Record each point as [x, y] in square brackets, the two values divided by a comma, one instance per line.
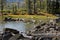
[36, 17]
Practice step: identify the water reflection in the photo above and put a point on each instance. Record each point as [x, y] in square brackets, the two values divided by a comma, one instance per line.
[1, 27]
[18, 25]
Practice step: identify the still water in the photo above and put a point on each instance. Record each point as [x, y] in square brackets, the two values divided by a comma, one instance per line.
[18, 25]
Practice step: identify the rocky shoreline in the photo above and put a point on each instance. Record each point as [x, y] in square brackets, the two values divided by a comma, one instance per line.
[43, 31]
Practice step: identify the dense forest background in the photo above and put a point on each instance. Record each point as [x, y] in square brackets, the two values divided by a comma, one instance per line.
[30, 6]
